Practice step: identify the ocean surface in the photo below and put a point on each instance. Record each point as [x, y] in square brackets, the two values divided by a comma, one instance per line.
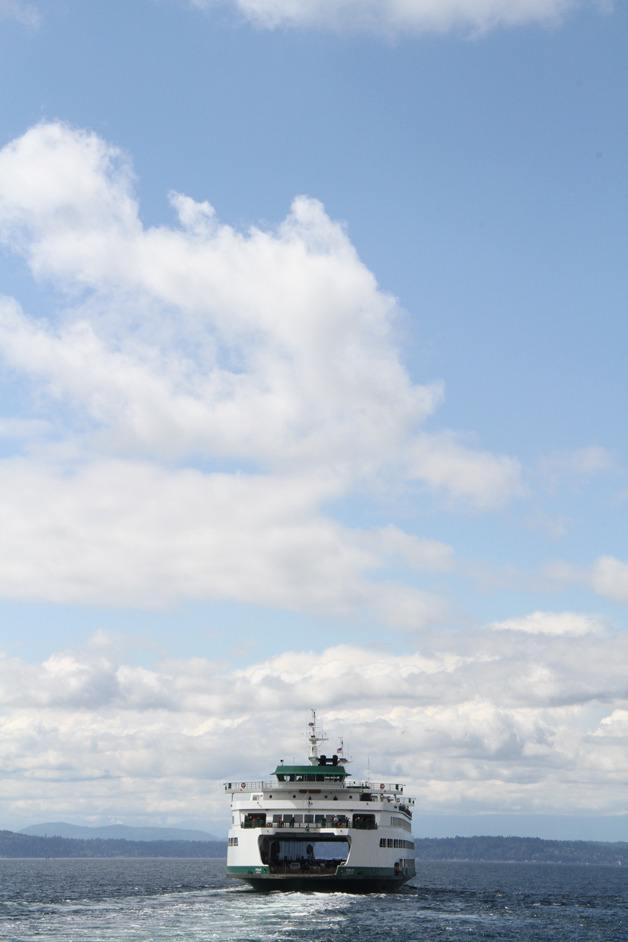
[165, 899]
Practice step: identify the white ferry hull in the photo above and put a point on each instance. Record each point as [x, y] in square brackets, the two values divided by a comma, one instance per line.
[316, 828]
[325, 860]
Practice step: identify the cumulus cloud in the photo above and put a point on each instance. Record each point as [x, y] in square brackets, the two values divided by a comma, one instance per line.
[394, 16]
[614, 726]
[284, 343]
[607, 576]
[503, 718]
[484, 480]
[207, 393]
[411, 550]
[269, 345]
[552, 623]
[135, 534]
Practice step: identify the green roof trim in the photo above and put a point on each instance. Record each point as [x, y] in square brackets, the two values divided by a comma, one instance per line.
[312, 771]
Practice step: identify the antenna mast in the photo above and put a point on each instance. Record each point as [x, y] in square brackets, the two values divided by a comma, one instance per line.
[314, 738]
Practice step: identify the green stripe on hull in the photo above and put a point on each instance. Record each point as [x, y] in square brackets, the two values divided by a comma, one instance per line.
[249, 871]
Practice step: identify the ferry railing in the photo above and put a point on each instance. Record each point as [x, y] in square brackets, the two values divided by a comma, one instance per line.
[243, 788]
[386, 789]
[299, 826]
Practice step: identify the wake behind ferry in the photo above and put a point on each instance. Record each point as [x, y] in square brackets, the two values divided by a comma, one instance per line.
[314, 827]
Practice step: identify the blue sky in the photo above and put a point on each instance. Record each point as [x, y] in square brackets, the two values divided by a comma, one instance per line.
[312, 367]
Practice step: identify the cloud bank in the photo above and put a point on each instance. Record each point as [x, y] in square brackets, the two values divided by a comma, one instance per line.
[397, 16]
[499, 720]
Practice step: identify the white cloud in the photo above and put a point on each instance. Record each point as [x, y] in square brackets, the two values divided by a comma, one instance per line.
[410, 550]
[509, 721]
[26, 13]
[23, 428]
[269, 354]
[553, 623]
[484, 480]
[614, 726]
[580, 463]
[284, 343]
[396, 16]
[609, 578]
[132, 533]
[270, 345]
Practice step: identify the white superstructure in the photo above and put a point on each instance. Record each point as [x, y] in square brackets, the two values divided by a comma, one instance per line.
[315, 826]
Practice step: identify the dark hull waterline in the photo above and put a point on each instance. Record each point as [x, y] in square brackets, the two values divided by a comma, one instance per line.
[326, 884]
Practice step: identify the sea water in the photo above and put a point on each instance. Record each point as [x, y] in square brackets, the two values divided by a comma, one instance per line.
[164, 899]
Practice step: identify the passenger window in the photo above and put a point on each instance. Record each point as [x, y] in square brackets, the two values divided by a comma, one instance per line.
[364, 822]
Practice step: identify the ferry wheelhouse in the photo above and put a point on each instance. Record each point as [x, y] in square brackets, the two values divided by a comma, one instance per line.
[315, 827]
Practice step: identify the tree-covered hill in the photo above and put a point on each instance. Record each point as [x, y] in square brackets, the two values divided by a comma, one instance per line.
[26, 845]
[115, 832]
[523, 849]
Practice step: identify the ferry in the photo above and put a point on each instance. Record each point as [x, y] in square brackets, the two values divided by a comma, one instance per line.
[314, 827]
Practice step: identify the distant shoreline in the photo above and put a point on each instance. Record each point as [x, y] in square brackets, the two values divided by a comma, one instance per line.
[532, 850]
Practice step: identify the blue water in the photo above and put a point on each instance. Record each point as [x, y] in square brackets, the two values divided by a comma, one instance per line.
[94, 900]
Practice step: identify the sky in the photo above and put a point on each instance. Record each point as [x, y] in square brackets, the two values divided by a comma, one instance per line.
[312, 395]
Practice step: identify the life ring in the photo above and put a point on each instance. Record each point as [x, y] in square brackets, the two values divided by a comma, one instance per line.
[242, 786]
[382, 786]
